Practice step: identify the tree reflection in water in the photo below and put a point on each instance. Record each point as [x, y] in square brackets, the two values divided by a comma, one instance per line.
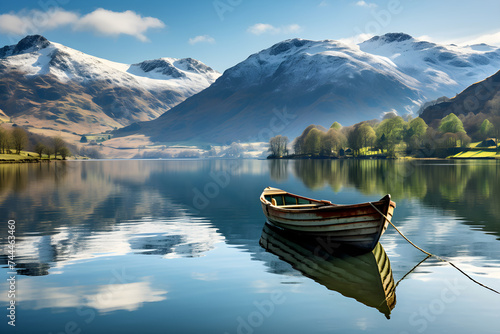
[471, 188]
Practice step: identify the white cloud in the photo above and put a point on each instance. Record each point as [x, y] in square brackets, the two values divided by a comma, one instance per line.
[35, 21]
[264, 28]
[355, 40]
[201, 39]
[12, 24]
[425, 38]
[261, 28]
[492, 39]
[59, 18]
[205, 276]
[101, 21]
[363, 3]
[290, 29]
[129, 296]
[323, 3]
[111, 23]
[104, 298]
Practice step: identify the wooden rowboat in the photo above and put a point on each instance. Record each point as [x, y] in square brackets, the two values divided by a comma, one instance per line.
[367, 277]
[358, 225]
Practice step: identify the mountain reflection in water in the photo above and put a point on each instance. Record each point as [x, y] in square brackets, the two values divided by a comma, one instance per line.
[124, 243]
[183, 237]
[79, 211]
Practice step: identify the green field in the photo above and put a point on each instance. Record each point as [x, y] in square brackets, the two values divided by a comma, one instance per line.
[477, 154]
[367, 151]
[24, 156]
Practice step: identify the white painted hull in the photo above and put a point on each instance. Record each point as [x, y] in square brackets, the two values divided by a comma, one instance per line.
[359, 225]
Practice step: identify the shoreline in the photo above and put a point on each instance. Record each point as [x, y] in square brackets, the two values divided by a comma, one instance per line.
[30, 161]
[23, 161]
[384, 158]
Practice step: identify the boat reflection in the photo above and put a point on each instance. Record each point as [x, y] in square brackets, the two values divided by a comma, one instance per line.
[365, 277]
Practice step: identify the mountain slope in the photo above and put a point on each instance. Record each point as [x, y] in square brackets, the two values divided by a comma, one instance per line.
[46, 84]
[481, 97]
[299, 82]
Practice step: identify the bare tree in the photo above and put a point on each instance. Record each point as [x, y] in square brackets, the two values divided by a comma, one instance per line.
[4, 142]
[58, 144]
[39, 149]
[463, 139]
[49, 151]
[64, 152]
[278, 146]
[19, 138]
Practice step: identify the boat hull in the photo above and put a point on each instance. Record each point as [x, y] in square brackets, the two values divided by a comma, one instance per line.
[359, 225]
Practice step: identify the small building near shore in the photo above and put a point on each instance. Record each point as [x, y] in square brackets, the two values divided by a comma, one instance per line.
[487, 143]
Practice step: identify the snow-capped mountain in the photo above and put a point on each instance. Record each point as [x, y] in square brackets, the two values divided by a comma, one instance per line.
[46, 84]
[444, 69]
[314, 62]
[298, 82]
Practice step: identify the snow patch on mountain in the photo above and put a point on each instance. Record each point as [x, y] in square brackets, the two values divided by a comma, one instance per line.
[34, 55]
[319, 61]
[439, 69]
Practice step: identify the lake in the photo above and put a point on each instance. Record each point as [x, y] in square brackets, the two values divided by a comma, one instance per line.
[172, 246]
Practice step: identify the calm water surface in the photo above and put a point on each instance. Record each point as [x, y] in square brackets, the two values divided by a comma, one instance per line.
[173, 247]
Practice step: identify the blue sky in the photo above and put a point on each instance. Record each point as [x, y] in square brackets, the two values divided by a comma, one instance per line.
[222, 33]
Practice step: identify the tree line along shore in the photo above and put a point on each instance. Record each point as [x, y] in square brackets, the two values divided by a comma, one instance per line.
[18, 145]
[395, 137]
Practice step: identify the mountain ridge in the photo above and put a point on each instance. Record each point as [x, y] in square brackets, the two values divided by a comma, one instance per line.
[320, 82]
[48, 85]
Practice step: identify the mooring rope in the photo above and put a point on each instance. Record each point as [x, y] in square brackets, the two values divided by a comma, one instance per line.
[433, 255]
[393, 289]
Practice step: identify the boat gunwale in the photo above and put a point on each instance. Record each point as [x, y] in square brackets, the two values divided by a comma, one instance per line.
[324, 205]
